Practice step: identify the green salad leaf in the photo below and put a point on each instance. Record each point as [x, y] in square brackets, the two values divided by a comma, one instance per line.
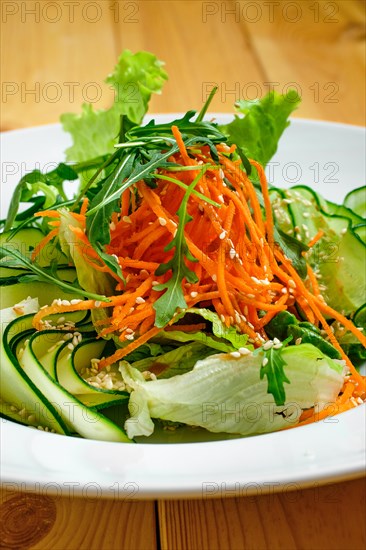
[226, 394]
[134, 79]
[273, 368]
[257, 133]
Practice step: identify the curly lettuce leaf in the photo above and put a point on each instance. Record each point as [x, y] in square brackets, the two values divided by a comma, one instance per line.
[257, 133]
[134, 79]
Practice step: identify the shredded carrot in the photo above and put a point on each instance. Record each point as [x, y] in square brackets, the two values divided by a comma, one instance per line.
[37, 249]
[316, 238]
[242, 274]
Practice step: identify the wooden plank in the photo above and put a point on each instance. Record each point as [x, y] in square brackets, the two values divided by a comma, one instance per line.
[196, 50]
[49, 68]
[320, 517]
[29, 520]
[317, 46]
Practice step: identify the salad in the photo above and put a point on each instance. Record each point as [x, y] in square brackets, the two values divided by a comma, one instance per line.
[174, 287]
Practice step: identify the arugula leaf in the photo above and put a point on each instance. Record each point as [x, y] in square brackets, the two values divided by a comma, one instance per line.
[49, 184]
[187, 127]
[272, 367]
[293, 249]
[134, 79]
[258, 132]
[43, 274]
[219, 329]
[173, 297]
[100, 212]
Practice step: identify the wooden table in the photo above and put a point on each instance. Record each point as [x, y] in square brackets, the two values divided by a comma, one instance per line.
[53, 53]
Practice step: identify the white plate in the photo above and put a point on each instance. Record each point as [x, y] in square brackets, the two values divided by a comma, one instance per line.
[329, 157]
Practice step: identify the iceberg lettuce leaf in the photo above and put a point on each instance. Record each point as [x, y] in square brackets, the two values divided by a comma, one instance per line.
[227, 394]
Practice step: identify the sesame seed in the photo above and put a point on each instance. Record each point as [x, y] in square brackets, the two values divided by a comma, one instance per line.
[291, 283]
[235, 354]
[126, 219]
[70, 346]
[267, 345]
[129, 337]
[162, 221]
[344, 230]
[298, 341]
[129, 330]
[97, 303]
[222, 317]
[75, 301]
[284, 290]
[214, 278]
[65, 303]
[112, 226]
[251, 295]
[244, 351]
[139, 300]
[222, 235]
[109, 384]
[193, 294]
[264, 362]
[232, 253]
[276, 341]
[154, 283]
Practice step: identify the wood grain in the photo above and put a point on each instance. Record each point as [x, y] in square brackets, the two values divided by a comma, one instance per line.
[318, 48]
[316, 518]
[42, 522]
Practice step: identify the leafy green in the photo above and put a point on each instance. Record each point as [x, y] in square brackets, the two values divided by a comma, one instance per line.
[134, 79]
[49, 184]
[173, 298]
[220, 330]
[226, 394]
[293, 249]
[176, 361]
[43, 274]
[258, 132]
[90, 280]
[273, 368]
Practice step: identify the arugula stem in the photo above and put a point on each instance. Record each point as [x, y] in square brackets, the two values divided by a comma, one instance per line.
[206, 105]
[93, 178]
[46, 277]
[185, 187]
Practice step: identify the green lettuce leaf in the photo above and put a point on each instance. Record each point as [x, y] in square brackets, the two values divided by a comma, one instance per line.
[219, 329]
[227, 394]
[258, 132]
[176, 361]
[134, 79]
